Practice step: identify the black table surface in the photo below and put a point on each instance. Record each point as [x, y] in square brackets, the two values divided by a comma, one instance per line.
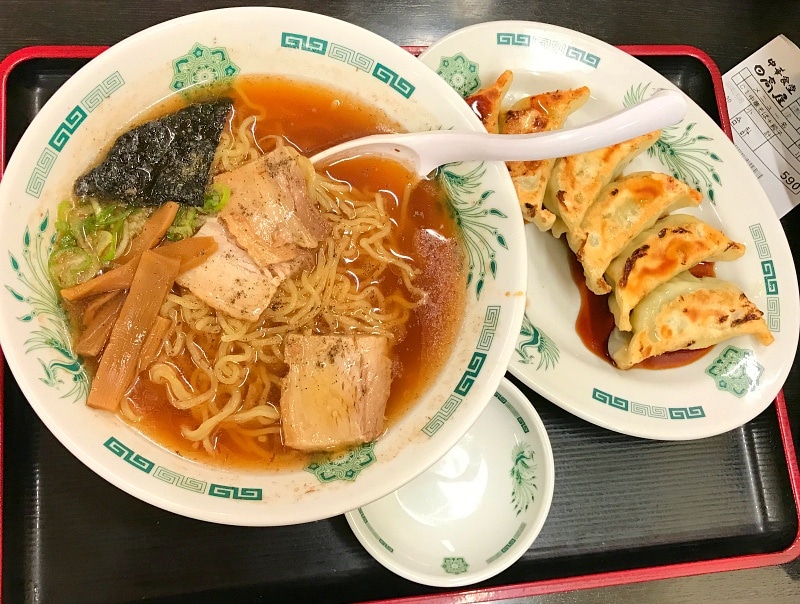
[728, 30]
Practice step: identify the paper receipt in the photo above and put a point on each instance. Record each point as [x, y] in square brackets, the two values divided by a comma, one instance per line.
[764, 106]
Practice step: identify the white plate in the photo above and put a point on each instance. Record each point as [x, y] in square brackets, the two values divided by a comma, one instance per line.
[477, 510]
[101, 100]
[672, 404]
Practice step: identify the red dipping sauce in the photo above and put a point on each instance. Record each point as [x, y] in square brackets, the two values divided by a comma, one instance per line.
[595, 322]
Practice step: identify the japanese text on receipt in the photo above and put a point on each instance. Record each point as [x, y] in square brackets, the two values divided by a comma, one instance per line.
[764, 106]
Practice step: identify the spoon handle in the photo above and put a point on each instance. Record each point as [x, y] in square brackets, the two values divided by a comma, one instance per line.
[664, 108]
[429, 150]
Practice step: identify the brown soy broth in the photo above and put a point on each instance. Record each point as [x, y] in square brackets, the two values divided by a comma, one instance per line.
[595, 322]
[426, 232]
[313, 118]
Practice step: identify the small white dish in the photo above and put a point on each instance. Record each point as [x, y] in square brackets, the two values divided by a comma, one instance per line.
[477, 510]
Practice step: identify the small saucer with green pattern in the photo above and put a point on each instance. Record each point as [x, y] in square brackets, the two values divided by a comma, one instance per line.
[477, 510]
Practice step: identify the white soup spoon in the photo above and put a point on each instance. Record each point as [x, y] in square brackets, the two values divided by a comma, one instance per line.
[423, 152]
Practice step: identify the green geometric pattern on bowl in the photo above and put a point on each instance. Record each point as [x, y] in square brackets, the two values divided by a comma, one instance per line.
[773, 312]
[351, 57]
[514, 412]
[654, 411]
[188, 483]
[346, 466]
[454, 565]
[508, 545]
[67, 128]
[201, 66]
[446, 411]
[372, 530]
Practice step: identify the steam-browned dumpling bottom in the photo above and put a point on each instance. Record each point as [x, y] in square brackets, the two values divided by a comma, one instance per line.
[687, 313]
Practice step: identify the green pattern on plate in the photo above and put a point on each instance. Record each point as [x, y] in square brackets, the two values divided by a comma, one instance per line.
[455, 565]
[508, 545]
[372, 530]
[514, 412]
[773, 310]
[460, 73]
[179, 480]
[550, 45]
[534, 338]
[352, 57]
[468, 204]
[681, 151]
[523, 476]
[129, 455]
[346, 466]
[229, 492]
[736, 371]
[201, 66]
[102, 91]
[653, 411]
[46, 317]
[67, 128]
[510, 39]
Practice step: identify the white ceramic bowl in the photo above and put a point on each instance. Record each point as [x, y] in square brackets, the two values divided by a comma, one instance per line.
[477, 510]
[99, 101]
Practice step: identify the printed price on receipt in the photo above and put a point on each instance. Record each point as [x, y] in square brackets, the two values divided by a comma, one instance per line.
[763, 95]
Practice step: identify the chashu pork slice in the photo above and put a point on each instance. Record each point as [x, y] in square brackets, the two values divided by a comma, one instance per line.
[229, 280]
[271, 212]
[336, 390]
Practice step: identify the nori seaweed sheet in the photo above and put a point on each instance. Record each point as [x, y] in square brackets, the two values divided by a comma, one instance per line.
[166, 159]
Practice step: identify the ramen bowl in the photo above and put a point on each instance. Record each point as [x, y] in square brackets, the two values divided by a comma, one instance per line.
[212, 49]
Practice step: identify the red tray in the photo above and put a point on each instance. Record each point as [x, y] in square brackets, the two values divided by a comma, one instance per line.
[706, 556]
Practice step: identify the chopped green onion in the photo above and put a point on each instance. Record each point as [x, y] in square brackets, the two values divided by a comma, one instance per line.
[66, 240]
[113, 213]
[89, 236]
[184, 224]
[64, 209]
[216, 198]
[72, 266]
[104, 244]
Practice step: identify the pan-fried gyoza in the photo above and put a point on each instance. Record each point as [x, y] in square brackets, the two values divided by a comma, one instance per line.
[623, 235]
[687, 313]
[539, 113]
[672, 245]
